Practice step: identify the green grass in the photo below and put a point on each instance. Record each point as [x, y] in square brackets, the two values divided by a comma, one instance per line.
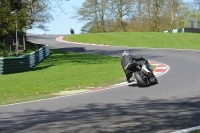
[61, 71]
[141, 39]
[197, 131]
[1, 53]
[72, 71]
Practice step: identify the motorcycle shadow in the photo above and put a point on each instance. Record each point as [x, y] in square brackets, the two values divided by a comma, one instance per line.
[137, 85]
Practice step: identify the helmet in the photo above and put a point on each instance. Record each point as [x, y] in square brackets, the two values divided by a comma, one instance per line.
[125, 53]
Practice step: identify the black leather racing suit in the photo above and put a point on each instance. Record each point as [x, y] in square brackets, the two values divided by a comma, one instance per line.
[129, 64]
[72, 31]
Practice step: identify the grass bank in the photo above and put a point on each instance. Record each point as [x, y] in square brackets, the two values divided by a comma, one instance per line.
[197, 131]
[60, 72]
[141, 39]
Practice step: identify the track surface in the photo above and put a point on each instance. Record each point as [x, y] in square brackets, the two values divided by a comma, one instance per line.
[171, 105]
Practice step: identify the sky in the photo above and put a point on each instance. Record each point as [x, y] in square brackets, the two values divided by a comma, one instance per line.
[63, 23]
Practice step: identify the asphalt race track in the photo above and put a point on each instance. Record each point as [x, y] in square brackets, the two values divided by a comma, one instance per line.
[173, 104]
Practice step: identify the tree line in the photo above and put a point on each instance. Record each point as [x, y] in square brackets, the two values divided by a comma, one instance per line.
[27, 13]
[135, 15]
[99, 15]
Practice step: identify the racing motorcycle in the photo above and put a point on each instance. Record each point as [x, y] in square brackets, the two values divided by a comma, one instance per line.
[144, 74]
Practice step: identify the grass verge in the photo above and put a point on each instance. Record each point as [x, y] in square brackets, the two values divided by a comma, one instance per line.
[60, 72]
[141, 39]
[197, 131]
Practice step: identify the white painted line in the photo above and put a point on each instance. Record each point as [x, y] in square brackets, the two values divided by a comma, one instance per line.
[160, 68]
[187, 130]
[123, 83]
[157, 73]
[60, 39]
[155, 64]
[88, 91]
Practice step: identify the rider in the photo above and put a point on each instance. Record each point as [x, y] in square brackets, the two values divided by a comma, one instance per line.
[129, 64]
[72, 31]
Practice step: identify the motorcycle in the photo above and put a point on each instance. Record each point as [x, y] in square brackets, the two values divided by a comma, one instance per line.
[144, 74]
[72, 31]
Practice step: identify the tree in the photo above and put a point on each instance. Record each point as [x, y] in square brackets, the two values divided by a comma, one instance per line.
[30, 14]
[120, 9]
[37, 13]
[93, 12]
[88, 13]
[102, 13]
[7, 19]
[135, 15]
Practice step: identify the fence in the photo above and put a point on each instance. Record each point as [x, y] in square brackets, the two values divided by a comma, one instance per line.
[192, 30]
[24, 62]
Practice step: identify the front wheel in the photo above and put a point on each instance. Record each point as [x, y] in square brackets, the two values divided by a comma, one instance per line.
[153, 80]
[141, 82]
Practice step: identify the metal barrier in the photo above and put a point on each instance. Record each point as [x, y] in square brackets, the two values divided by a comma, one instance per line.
[175, 31]
[192, 30]
[24, 62]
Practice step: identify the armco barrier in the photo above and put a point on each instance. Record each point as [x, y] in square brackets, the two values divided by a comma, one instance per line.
[24, 62]
[192, 30]
[175, 31]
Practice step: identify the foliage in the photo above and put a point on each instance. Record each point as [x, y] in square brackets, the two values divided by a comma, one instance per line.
[5, 22]
[134, 15]
[27, 13]
[9, 48]
[1, 45]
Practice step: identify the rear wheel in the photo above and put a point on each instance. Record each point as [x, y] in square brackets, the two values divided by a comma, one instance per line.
[141, 82]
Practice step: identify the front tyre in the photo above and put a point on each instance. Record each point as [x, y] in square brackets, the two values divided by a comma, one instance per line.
[153, 80]
[141, 82]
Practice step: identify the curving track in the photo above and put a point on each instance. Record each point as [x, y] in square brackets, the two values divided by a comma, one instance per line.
[171, 105]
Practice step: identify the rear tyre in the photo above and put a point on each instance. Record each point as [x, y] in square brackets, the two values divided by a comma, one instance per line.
[140, 80]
